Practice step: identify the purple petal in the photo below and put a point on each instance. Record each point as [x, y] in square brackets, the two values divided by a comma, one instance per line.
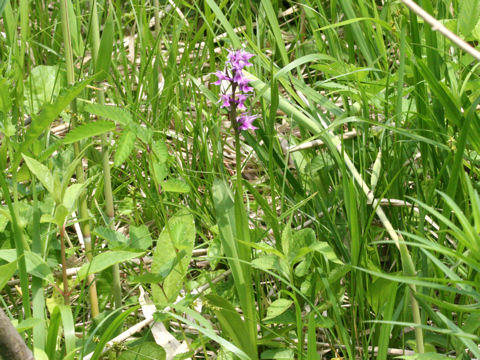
[225, 99]
[245, 122]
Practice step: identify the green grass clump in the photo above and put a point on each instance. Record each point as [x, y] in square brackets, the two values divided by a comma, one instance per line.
[132, 210]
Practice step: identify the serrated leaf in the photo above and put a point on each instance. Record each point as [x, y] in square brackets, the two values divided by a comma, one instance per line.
[114, 113]
[105, 260]
[160, 150]
[158, 170]
[48, 114]
[42, 173]
[175, 185]
[144, 134]
[125, 146]
[277, 308]
[87, 130]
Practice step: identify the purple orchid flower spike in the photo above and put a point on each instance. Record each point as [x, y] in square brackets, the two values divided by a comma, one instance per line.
[235, 100]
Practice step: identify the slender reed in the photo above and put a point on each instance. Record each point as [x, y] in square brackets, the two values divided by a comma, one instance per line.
[107, 181]
[83, 208]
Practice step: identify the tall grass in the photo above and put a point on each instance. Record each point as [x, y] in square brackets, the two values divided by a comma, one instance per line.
[346, 226]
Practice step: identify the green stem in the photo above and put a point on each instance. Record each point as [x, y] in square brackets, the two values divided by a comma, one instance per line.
[38, 297]
[17, 234]
[66, 294]
[107, 181]
[83, 207]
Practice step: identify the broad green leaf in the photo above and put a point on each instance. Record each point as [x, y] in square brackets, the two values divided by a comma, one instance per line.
[39, 354]
[159, 170]
[378, 293]
[468, 16]
[61, 213]
[125, 146]
[71, 195]
[88, 130]
[286, 318]
[279, 354]
[160, 150]
[143, 351]
[43, 174]
[271, 262]
[161, 274]
[326, 250]
[277, 308]
[48, 114]
[42, 85]
[28, 324]
[114, 113]
[145, 134]
[175, 185]
[177, 236]
[35, 264]
[114, 239]
[104, 56]
[105, 260]
[6, 272]
[140, 237]
[293, 243]
[476, 31]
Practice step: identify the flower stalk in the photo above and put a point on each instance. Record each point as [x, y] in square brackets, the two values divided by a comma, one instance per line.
[233, 98]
